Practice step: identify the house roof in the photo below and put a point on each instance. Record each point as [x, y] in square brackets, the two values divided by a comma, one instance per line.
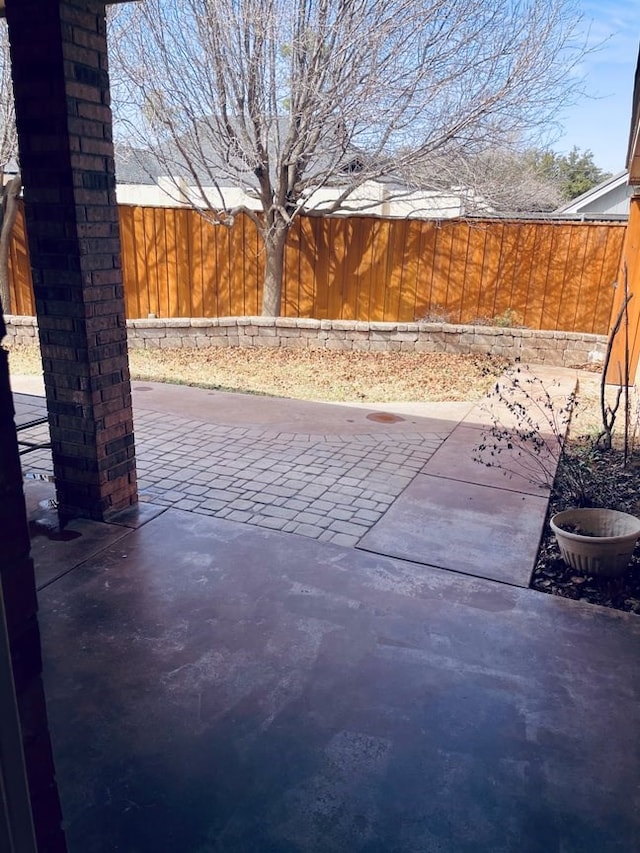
[595, 194]
[211, 165]
[136, 166]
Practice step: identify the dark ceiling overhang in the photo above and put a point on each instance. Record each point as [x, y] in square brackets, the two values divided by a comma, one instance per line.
[633, 153]
[107, 3]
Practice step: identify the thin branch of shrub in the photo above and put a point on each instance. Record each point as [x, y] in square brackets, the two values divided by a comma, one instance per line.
[533, 446]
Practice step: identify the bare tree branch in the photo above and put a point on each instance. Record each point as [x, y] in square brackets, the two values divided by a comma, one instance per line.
[10, 191]
[283, 98]
[8, 132]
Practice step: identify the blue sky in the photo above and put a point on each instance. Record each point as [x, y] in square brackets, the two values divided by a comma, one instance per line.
[600, 122]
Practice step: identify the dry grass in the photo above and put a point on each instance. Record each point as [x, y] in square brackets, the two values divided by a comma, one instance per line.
[333, 376]
[308, 374]
[586, 423]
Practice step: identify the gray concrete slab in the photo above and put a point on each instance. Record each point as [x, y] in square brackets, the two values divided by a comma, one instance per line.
[515, 465]
[542, 391]
[57, 551]
[216, 687]
[463, 527]
[286, 415]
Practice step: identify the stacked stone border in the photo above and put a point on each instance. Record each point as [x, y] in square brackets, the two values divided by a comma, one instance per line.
[562, 349]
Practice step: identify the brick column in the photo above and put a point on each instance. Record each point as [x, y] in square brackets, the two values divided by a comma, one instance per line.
[61, 84]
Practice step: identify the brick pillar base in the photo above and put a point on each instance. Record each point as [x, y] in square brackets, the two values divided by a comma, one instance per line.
[59, 61]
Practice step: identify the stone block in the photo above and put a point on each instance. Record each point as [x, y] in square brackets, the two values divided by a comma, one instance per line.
[316, 343]
[485, 339]
[404, 336]
[530, 354]
[384, 327]
[150, 342]
[262, 341]
[139, 323]
[338, 344]
[175, 331]
[154, 332]
[438, 338]
[358, 335]
[204, 341]
[295, 343]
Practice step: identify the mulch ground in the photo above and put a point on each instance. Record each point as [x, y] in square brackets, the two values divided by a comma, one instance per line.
[615, 487]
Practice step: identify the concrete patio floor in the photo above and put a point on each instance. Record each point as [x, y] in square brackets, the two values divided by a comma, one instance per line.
[214, 685]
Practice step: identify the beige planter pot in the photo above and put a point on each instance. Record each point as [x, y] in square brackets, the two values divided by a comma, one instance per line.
[605, 544]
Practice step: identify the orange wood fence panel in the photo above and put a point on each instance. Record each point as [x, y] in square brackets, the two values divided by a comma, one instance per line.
[20, 281]
[541, 274]
[626, 344]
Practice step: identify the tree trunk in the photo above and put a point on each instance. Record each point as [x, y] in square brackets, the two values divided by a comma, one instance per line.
[10, 195]
[275, 241]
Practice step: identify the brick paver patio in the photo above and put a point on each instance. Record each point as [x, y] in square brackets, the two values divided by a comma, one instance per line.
[329, 487]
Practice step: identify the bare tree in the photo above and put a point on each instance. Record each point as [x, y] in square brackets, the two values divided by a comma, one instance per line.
[285, 99]
[499, 180]
[9, 191]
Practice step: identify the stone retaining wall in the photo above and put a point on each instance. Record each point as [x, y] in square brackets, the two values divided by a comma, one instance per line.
[563, 349]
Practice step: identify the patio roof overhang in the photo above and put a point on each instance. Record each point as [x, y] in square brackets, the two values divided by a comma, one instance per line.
[107, 3]
[633, 153]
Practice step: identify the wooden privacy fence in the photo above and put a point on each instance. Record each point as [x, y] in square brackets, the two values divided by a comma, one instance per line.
[541, 274]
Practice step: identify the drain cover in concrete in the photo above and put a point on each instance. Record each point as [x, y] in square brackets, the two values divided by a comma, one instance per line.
[482, 531]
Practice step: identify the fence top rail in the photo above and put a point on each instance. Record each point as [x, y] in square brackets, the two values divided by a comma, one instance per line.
[615, 219]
